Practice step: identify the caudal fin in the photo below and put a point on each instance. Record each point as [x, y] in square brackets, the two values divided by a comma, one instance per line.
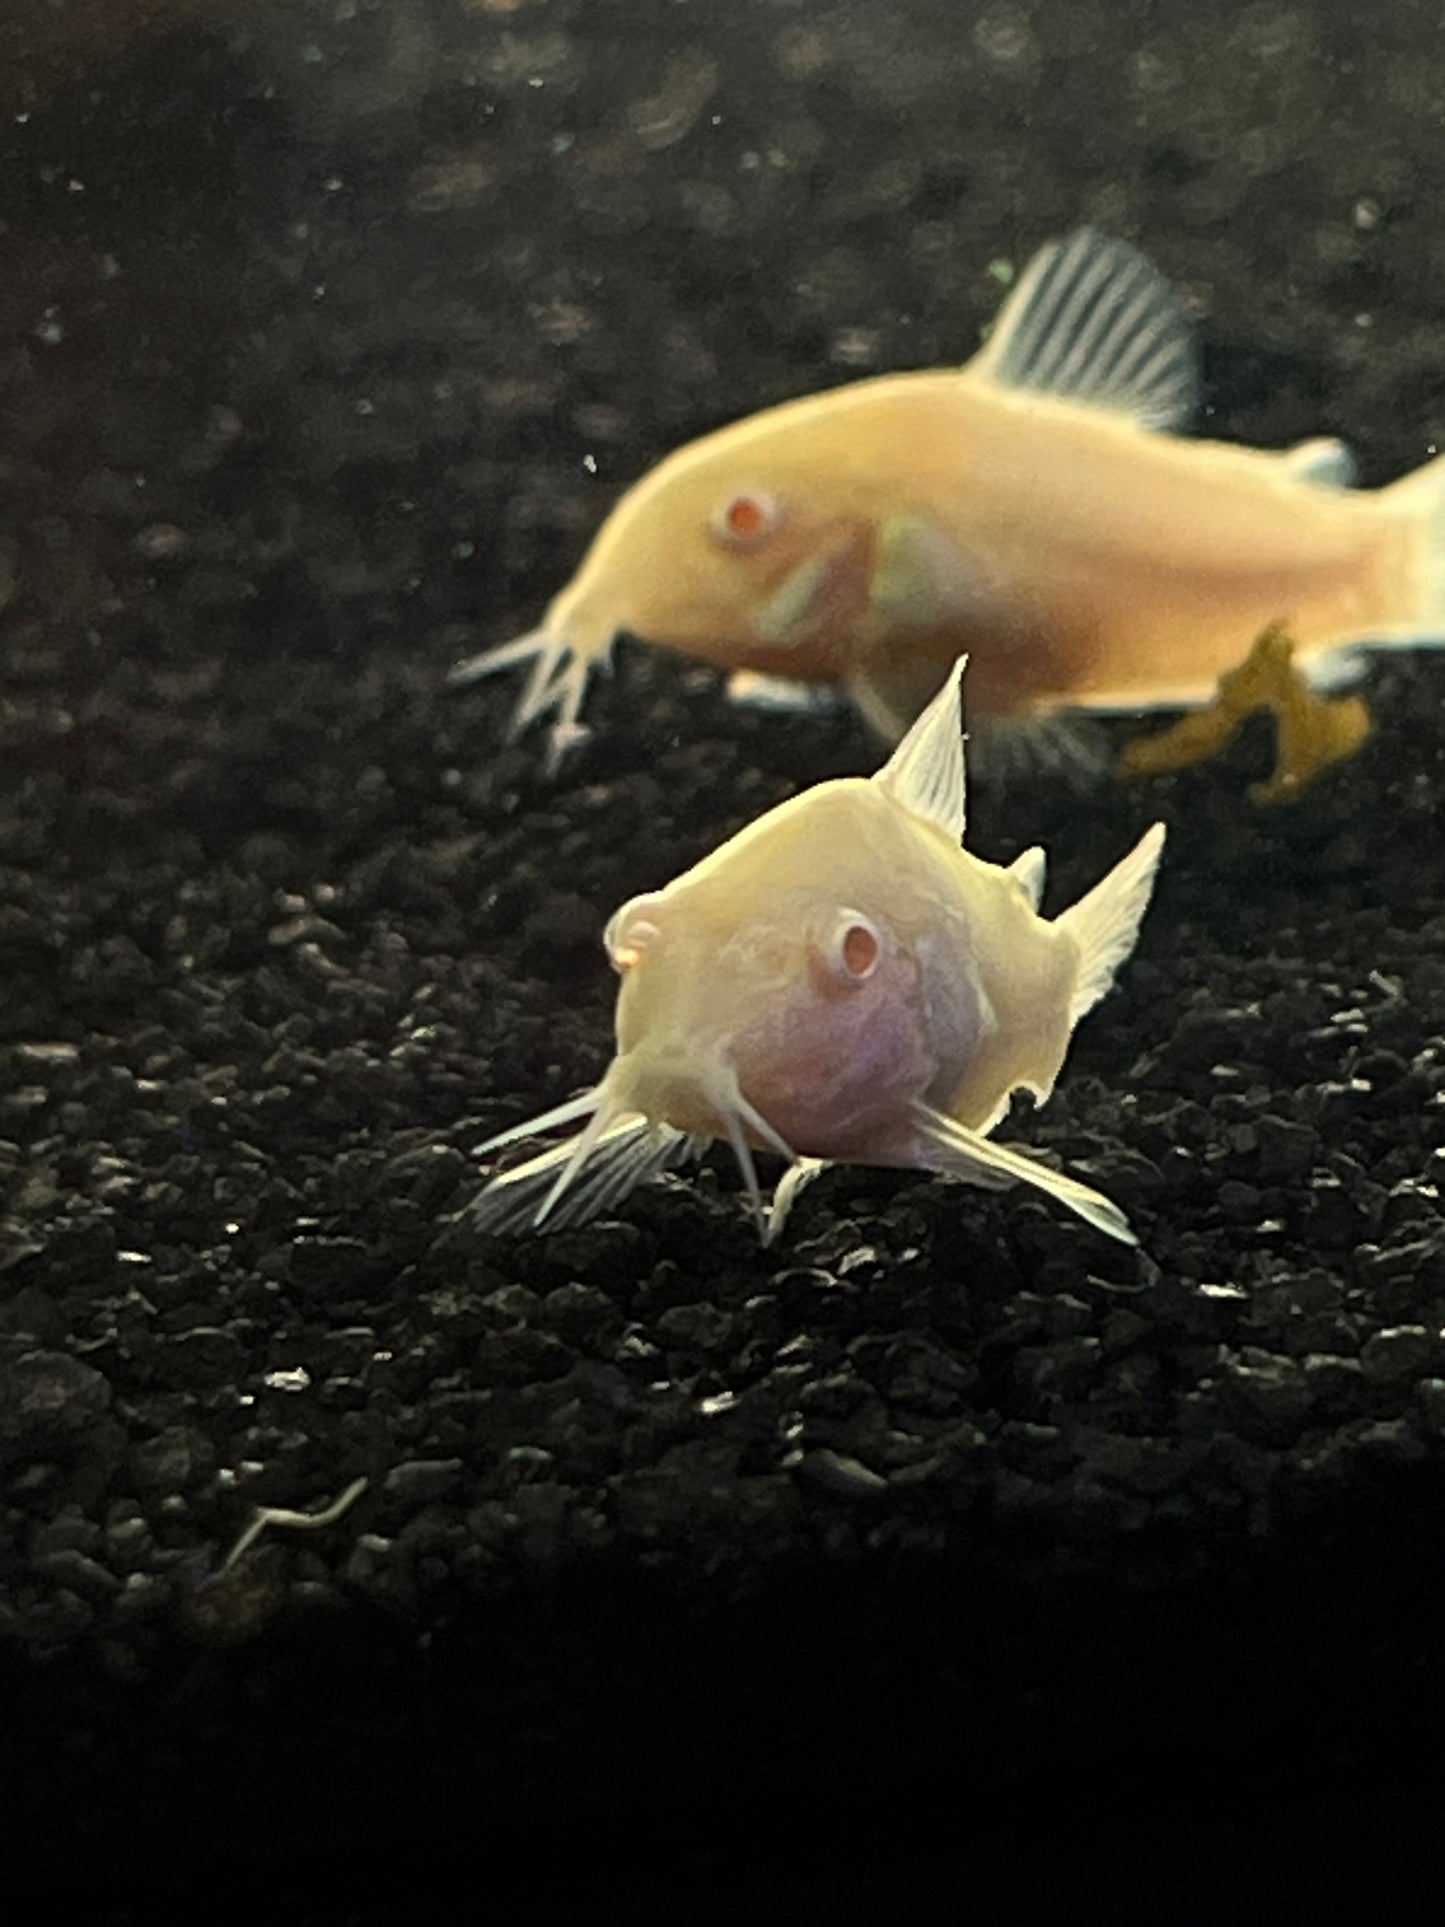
[1105, 923]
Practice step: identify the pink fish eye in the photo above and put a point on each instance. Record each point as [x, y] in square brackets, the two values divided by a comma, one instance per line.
[746, 519]
[854, 948]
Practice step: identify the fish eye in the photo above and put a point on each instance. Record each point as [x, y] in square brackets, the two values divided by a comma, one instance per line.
[746, 519]
[629, 931]
[853, 947]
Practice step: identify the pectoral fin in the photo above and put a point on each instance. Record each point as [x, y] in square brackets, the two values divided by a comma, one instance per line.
[1324, 460]
[920, 581]
[750, 689]
[800, 1172]
[573, 1181]
[947, 1145]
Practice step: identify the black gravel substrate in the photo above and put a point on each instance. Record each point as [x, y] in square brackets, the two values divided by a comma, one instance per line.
[944, 1543]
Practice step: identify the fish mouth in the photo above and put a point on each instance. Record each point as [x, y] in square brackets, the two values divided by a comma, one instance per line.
[627, 1137]
[561, 670]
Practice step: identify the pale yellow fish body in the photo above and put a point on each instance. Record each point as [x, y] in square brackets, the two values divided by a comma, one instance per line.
[1027, 509]
[737, 959]
[1079, 557]
[840, 982]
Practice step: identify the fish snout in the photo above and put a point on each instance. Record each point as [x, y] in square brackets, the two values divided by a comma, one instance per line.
[670, 1080]
[587, 614]
[573, 643]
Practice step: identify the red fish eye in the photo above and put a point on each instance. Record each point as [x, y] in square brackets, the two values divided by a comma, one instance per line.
[746, 519]
[860, 950]
[854, 948]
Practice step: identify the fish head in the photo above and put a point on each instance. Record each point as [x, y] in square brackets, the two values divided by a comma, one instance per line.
[756, 548]
[781, 988]
[826, 985]
[736, 552]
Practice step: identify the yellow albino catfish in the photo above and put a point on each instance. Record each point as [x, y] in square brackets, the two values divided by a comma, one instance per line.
[1026, 507]
[839, 982]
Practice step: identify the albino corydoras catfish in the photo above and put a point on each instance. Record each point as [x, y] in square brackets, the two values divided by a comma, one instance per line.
[839, 982]
[1029, 508]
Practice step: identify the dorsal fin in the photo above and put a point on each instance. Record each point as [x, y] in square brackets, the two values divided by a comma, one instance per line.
[926, 771]
[1029, 870]
[1094, 321]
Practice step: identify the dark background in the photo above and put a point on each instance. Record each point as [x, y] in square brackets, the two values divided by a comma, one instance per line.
[942, 1556]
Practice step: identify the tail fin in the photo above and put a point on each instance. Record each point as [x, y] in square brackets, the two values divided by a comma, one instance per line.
[1105, 923]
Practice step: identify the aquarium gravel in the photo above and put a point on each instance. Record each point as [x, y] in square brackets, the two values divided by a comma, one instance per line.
[325, 345]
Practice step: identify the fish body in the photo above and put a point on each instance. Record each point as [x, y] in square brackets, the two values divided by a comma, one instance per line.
[840, 982]
[1030, 508]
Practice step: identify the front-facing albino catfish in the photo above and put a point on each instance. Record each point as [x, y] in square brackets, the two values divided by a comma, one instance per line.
[1025, 508]
[839, 982]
